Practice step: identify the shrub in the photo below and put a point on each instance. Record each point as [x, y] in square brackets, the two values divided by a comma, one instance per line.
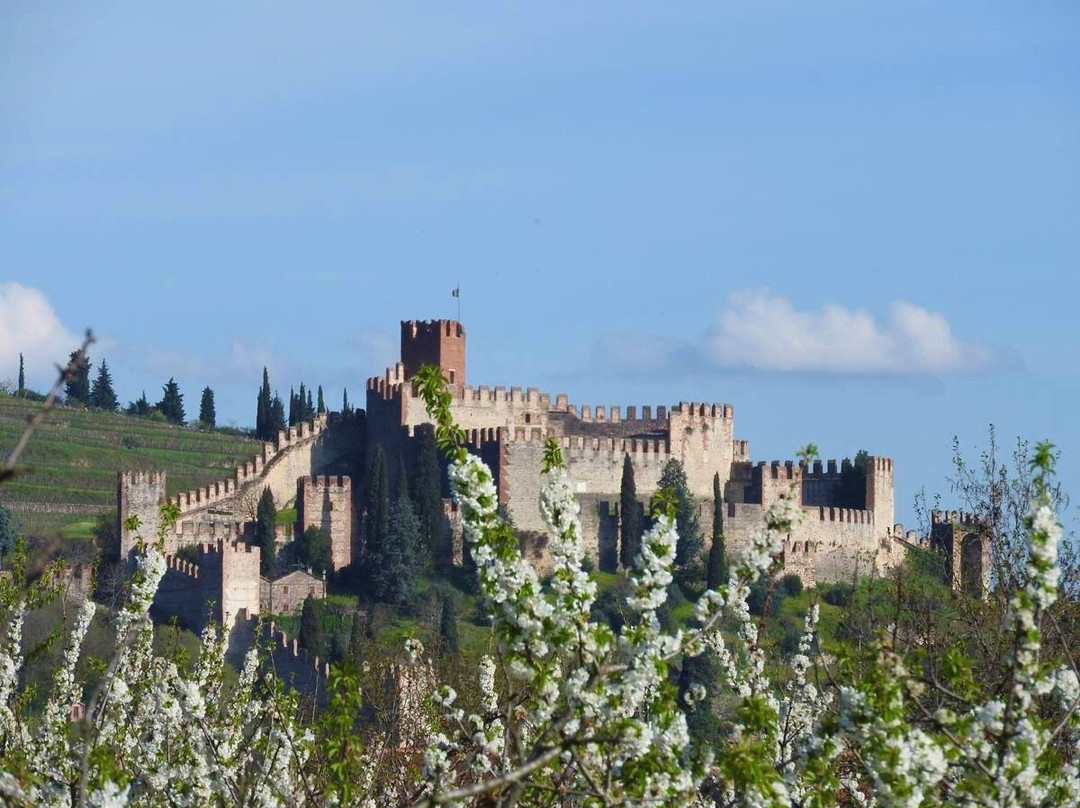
[791, 585]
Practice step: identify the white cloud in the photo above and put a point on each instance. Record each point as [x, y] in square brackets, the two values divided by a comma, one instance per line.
[29, 325]
[761, 330]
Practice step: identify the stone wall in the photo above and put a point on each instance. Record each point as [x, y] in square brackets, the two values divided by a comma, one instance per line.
[141, 494]
[286, 595]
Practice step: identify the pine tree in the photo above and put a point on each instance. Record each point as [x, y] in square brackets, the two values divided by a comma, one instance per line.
[265, 528]
[22, 377]
[262, 409]
[377, 504]
[396, 569]
[311, 633]
[630, 512]
[275, 421]
[427, 497]
[686, 520]
[172, 402]
[141, 407]
[207, 411]
[77, 388]
[322, 404]
[448, 625]
[717, 571]
[102, 395]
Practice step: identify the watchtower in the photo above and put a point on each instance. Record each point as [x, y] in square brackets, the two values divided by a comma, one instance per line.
[434, 342]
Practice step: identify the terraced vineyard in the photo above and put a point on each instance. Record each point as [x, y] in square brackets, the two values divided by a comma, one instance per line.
[69, 468]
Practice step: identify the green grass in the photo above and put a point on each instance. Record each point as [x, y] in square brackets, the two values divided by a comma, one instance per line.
[73, 459]
[286, 516]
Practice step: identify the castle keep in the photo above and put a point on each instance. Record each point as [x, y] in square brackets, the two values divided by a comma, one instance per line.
[849, 522]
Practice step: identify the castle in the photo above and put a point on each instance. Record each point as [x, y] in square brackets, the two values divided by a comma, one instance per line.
[848, 527]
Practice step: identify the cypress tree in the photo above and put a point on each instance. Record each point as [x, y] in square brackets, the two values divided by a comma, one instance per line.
[630, 513]
[395, 572]
[292, 406]
[701, 719]
[448, 625]
[77, 388]
[311, 633]
[262, 409]
[22, 376]
[309, 408]
[275, 422]
[265, 526]
[172, 402]
[322, 405]
[207, 410]
[345, 408]
[354, 655]
[427, 496]
[8, 531]
[102, 395]
[686, 520]
[717, 572]
[377, 504]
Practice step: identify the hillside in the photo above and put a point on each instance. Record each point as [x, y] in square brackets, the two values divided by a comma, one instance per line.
[69, 468]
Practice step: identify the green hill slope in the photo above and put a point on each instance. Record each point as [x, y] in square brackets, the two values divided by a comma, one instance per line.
[69, 467]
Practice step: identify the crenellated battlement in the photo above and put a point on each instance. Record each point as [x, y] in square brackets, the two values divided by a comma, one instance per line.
[285, 649]
[825, 469]
[245, 473]
[177, 564]
[780, 470]
[853, 516]
[129, 478]
[327, 481]
[956, 518]
[909, 536]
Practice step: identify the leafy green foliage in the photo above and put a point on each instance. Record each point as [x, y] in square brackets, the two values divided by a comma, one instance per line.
[716, 573]
[311, 633]
[397, 565]
[427, 497]
[265, 526]
[313, 550]
[376, 504]
[77, 387]
[8, 531]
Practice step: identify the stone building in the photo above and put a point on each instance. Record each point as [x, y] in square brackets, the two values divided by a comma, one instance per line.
[963, 539]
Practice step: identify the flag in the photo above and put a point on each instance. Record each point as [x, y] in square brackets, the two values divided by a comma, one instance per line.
[455, 292]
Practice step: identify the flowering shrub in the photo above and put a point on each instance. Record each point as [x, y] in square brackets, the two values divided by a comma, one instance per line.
[569, 712]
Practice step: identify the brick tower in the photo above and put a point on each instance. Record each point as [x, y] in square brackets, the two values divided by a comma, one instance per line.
[434, 342]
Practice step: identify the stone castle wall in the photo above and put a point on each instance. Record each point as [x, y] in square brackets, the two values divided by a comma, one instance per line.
[326, 502]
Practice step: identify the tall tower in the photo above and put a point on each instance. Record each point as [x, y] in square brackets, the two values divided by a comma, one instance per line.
[434, 342]
[879, 493]
[139, 493]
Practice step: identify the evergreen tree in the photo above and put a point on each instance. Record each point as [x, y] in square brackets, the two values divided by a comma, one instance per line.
[77, 388]
[207, 411]
[8, 531]
[172, 402]
[265, 526]
[309, 408]
[275, 421]
[448, 625]
[377, 504]
[292, 407]
[22, 377]
[346, 409]
[102, 395]
[686, 520]
[427, 497]
[717, 572]
[311, 633]
[314, 550]
[322, 404]
[140, 407]
[701, 719]
[630, 513]
[262, 410]
[354, 654]
[396, 569]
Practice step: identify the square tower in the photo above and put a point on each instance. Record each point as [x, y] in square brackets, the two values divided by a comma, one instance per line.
[434, 342]
[326, 502]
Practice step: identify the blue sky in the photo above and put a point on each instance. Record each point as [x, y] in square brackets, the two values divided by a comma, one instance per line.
[856, 222]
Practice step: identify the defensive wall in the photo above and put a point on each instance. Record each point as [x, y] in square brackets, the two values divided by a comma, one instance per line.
[964, 539]
[326, 502]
